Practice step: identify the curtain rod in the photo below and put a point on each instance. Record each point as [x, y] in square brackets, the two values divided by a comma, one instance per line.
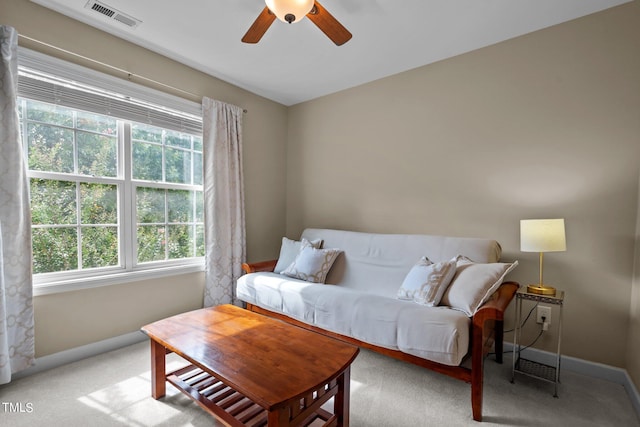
[129, 74]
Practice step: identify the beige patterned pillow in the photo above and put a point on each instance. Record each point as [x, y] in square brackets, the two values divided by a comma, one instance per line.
[426, 282]
[311, 264]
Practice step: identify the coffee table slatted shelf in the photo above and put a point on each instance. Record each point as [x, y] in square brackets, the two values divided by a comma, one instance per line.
[238, 410]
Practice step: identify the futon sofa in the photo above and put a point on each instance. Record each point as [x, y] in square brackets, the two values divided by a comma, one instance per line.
[434, 301]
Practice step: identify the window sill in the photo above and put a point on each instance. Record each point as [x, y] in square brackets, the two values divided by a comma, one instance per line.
[49, 288]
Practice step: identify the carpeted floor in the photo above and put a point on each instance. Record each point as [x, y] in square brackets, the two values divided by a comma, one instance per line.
[113, 389]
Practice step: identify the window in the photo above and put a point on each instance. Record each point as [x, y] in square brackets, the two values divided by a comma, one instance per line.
[110, 193]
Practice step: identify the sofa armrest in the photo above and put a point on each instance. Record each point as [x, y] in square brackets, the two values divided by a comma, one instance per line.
[259, 266]
[488, 322]
[495, 307]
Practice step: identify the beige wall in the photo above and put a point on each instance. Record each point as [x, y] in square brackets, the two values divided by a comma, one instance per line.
[633, 353]
[542, 126]
[72, 319]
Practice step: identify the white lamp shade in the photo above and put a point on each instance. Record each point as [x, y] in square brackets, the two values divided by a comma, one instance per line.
[542, 235]
[297, 8]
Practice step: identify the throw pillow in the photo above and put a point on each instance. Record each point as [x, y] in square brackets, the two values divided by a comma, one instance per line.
[474, 283]
[289, 250]
[311, 264]
[426, 282]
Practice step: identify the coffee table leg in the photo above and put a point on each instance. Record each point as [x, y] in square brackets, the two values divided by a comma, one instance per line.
[341, 403]
[158, 370]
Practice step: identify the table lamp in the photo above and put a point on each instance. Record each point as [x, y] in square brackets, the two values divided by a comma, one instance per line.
[542, 235]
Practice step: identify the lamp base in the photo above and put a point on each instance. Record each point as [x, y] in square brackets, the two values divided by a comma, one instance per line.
[541, 290]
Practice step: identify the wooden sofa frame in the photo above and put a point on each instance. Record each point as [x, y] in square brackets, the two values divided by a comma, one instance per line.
[486, 332]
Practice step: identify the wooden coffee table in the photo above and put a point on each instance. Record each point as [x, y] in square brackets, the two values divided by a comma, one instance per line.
[249, 369]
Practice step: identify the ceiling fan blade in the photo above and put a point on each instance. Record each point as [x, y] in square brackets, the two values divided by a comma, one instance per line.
[329, 25]
[259, 26]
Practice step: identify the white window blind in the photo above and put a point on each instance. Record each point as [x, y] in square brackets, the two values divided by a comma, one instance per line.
[86, 90]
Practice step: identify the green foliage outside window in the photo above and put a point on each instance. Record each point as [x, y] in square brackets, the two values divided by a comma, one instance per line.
[76, 221]
[167, 224]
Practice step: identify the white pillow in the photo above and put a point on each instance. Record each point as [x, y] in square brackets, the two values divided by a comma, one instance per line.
[311, 264]
[474, 283]
[426, 282]
[289, 250]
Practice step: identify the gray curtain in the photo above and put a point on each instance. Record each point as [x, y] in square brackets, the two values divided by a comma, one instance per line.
[223, 200]
[16, 293]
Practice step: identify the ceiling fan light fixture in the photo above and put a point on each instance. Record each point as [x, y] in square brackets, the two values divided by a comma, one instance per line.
[290, 10]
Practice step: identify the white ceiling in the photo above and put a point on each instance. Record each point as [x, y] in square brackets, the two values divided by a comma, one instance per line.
[297, 62]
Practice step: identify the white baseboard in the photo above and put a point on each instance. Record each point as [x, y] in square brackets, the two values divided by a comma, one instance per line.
[78, 353]
[585, 367]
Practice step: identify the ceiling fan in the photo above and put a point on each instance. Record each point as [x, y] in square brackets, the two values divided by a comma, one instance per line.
[293, 11]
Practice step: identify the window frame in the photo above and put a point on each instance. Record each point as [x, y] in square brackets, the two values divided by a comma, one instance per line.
[128, 270]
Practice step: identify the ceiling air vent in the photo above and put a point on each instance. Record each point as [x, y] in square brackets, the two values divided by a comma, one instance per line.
[112, 13]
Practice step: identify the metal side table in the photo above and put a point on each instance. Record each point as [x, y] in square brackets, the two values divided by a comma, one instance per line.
[528, 367]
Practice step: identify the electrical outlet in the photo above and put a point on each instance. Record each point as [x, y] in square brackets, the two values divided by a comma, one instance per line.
[543, 311]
